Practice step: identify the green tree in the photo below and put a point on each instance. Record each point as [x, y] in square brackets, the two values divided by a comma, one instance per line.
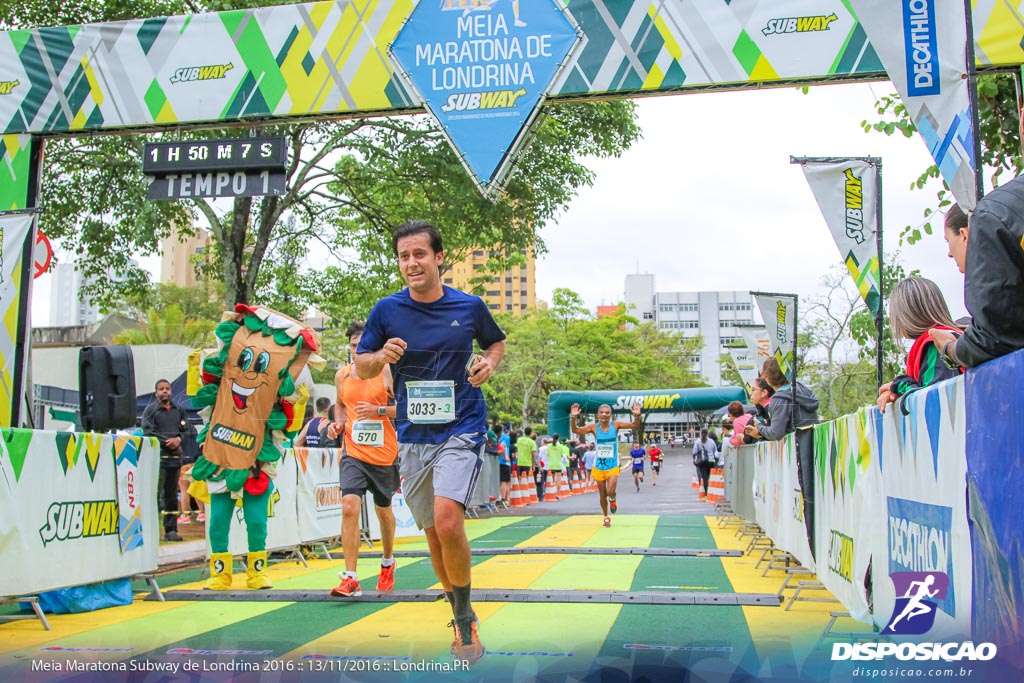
[999, 124]
[563, 347]
[349, 183]
[201, 303]
[169, 326]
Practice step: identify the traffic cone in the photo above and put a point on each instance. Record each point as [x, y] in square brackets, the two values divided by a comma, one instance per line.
[516, 497]
[532, 488]
[564, 490]
[696, 482]
[550, 490]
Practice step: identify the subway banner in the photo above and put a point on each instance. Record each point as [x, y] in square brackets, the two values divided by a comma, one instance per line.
[778, 502]
[14, 230]
[847, 194]
[75, 509]
[779, 314]
[921, 543]
[848, 505]
[925, 55]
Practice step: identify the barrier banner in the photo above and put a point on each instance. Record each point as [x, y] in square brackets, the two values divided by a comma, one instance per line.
[14, 230]
[925, 544]
[739, 481]
[847, 194]
[923, 45]
[282, 512]
[995, 478]
[778, 503]
[848, 509]
[319, 493]
[60, 524]
[779, 314]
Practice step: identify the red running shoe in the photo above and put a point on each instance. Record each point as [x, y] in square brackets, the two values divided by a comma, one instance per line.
[386, 580]
[348, 588]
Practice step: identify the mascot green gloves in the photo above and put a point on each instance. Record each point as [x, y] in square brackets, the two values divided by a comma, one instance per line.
[250, 386]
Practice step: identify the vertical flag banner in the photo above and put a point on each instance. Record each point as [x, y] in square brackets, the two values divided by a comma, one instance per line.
[745, 359]
[778, 311]
[14, 229]
[846, 192]
[759, 346]
[923, 46]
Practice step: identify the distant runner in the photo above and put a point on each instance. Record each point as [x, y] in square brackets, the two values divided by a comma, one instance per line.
[637, 454]
[606, 464]
[656, 455]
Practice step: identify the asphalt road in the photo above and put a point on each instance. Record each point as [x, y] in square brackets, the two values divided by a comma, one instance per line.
[672, 495]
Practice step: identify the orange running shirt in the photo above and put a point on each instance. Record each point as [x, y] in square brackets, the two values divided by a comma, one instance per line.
[372, 391]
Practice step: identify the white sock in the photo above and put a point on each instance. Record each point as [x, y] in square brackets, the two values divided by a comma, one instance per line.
[351, 575]
[387, 561]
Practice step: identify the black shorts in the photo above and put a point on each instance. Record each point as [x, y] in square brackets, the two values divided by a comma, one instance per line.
[656, 467]
[358, 477]
[504, 473]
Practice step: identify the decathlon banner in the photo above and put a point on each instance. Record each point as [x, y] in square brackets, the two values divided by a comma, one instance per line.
[779, 313]
[60, 519]
[923, 45]
[14, 230]
[926, 546]
[847, 194]
[282, 512]
[848, 508]
[778, 502]
[319, 493]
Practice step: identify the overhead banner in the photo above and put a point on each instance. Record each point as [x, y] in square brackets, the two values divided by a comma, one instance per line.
[779, 314]
[923, 45]
[847, 194]
[483, 69]
[14, 230]
[64, 518]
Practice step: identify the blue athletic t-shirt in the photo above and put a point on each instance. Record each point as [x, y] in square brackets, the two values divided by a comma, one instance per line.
[607, 448]
[440, 338]
[638, 458]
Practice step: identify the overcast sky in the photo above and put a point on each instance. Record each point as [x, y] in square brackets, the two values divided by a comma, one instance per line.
[708, 200]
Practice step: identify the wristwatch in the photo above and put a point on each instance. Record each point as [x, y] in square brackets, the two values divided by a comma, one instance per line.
[382, 411]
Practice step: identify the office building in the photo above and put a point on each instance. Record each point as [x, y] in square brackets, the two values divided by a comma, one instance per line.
[513, 291]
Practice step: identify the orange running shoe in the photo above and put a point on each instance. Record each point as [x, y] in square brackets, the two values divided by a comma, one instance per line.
[467, 645]
[386, 580]
[348, 588]
[607, 521]
[615, 507]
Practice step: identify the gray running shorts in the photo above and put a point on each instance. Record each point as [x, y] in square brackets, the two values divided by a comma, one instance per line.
[449, 470]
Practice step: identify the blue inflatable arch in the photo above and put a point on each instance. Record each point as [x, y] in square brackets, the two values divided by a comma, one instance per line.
[655, 401]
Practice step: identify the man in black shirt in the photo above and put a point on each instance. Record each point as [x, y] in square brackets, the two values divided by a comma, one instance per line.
[168, 423]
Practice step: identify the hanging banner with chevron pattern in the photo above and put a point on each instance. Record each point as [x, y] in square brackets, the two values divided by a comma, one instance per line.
[846, 191]
[779, 313]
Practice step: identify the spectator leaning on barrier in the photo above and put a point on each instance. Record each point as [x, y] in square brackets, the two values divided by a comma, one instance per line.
[168, 423]
[993, 282]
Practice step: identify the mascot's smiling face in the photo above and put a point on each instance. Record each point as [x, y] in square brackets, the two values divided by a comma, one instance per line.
[253, 364]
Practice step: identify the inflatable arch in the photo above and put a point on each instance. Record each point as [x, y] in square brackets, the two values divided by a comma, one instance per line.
[654, 401]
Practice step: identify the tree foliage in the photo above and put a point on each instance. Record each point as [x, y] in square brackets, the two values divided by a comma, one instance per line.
[562, 347]
[999, 124]
[169, 326]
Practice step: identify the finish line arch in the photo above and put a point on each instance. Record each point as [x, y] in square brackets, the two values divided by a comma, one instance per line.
[653, 401]
[331, 60]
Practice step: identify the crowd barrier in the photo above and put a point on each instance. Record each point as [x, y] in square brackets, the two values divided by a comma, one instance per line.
[931, 488]
[81, 508]
[75, 509]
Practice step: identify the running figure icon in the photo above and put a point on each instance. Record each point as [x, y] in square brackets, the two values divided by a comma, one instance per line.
[916, 606]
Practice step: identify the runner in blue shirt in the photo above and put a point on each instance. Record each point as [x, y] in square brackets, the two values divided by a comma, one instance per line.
[426, 333]
[638, 454]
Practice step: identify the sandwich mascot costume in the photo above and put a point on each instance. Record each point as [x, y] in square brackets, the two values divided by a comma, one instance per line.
[250, 387]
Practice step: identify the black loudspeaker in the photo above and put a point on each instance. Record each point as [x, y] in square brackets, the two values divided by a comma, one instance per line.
[106, 388]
